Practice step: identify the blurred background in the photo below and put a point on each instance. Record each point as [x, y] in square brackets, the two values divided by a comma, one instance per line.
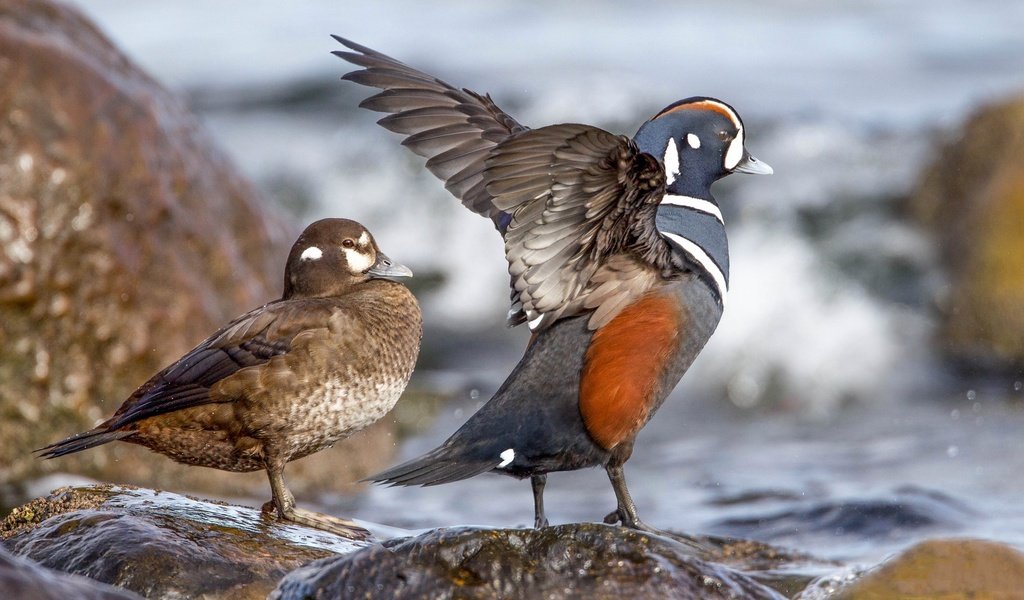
[864, 388]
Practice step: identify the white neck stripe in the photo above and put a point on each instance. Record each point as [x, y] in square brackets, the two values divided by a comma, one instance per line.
[701, 257]
[698, 204]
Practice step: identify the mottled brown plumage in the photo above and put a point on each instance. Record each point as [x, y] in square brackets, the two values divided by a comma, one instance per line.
[289, 378]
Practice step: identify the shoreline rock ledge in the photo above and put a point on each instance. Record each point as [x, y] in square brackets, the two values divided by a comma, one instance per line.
[164, 545]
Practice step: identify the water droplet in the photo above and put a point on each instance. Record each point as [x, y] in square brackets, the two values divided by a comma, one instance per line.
[474, 394]
[1018, 386]
[971, 395]
[952, 451]
[955, 414]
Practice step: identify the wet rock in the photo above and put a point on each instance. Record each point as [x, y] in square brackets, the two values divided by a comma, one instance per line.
[24, 580]
[126, 238]
[163, 545]
[951, 569]
[577, 561]
[972, 198]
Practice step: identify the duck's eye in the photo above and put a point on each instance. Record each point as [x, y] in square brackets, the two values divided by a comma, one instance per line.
[725, 136]
[349, 243]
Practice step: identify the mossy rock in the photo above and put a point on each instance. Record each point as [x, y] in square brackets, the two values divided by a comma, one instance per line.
[972, 198]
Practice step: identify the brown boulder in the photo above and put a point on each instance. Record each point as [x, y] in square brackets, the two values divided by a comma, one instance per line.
[126, 238]
[163, 545]
[972, 197]
[951, 569]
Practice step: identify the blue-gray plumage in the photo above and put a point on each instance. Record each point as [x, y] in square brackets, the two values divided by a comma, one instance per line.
[618, 263]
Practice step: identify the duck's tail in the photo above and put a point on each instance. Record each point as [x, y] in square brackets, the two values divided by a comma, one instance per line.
[82, 441]
[441, 465]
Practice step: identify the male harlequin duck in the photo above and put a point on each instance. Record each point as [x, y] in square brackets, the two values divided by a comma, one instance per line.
[619, 265]
[288, 379]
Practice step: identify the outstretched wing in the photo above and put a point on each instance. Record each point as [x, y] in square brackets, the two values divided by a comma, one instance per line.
[453, 128]
[567, 198]
[251, 340]
[582, 202]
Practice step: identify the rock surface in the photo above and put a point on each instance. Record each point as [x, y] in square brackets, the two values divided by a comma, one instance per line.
[162, 545]
[21, 579]
[950, 569]
[566, 561]
[126, 238]
[972, 197]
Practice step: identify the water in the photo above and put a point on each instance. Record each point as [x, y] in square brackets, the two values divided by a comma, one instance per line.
[818, 417]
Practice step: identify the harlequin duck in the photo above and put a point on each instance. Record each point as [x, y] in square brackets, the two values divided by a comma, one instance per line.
[288, 379]
[618, 261]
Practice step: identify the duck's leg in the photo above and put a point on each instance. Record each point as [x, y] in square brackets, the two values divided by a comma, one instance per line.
[284, 503]
[538, 482]
[626, 511]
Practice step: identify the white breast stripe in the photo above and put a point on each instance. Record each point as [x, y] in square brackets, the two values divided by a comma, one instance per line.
[695, 203]
[701, 257]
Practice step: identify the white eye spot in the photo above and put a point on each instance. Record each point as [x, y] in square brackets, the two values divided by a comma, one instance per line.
[507, 457]
[693, 141]
[364, 238]
[734, 154]
[671, 161]
[311, 253]
[358, 262]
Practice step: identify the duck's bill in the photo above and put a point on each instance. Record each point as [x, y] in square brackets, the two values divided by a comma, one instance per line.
[385, 267]
[751, 165]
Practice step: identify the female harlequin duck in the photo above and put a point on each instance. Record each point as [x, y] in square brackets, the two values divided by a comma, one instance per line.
[618, 258]
[288, 379]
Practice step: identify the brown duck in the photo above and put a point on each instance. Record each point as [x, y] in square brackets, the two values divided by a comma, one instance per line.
[285, 380]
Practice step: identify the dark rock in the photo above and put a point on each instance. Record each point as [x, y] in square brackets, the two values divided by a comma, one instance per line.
[951, 569]
[126, 238]
[972, 198]
[21, 579]
[566, 561]
[161, 545]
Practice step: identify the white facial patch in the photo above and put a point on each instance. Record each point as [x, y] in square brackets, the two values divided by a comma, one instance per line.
[734, 154]
[671, 161]
[358, 262]
[311, 253]
[364, 238]
[507, 457]
[693, 140]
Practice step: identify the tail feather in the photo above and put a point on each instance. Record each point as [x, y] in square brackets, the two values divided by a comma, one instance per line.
[82, 441]
[434, 468]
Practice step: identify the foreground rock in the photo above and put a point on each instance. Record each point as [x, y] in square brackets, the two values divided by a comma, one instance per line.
[126, 238]
[21, 579]
[951, 569]
[567, 561]
[972, 197]
[163, 545]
